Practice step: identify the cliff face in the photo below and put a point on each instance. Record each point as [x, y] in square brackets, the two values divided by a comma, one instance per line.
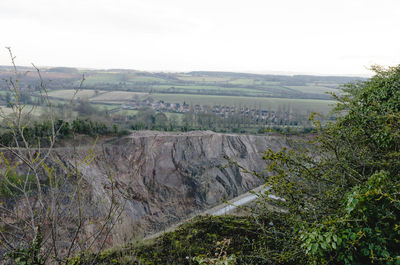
[168, 177]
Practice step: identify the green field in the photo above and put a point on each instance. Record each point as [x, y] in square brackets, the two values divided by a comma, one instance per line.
[203, 89]
[106, 106]
[117, 96]
[112, 99]
[30, 110]
[216, 83]
[67, 94]
[110, 78]
[96, 96]
[145, 79]
[297, 105]
[109, 89]
[205, 79]
[177, 116]
[250, 81]
[127, 112]
[314, 89]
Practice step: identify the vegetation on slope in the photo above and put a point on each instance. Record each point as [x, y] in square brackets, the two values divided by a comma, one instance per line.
[237, 239]
[342, 191]
[42, 199]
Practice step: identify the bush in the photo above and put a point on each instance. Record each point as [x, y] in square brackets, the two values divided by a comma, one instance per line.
[340, 188]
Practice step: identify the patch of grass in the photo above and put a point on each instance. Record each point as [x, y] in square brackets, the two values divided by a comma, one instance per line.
[206, 79]
[212, 90]
[198, 237]
[178, 116]
[244, 81]
[106, 106]
[207, 88]
[128, 112]
[118, 96]
[67, 94]
[314, 89]
[109, 78]
[30, 110]
[146, 79]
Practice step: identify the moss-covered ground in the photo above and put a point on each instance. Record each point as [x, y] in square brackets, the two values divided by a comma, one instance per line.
[197, 238]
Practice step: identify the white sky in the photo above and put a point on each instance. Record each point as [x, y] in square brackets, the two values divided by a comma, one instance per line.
[302, 36]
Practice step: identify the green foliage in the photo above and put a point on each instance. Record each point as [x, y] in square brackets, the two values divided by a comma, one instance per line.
[341, 187]
[216, 240]
[367, 230]
[41, 132]
[30, 255]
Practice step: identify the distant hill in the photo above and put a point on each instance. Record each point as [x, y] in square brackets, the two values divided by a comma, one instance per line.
[200, 83]
[280, 78]
[66, 70]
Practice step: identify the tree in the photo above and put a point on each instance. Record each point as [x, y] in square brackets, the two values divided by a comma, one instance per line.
[160, 121]
[339, 189]
[43, 199]
[85, 108]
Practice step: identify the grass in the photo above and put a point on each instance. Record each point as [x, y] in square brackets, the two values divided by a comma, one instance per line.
[4, 92]
[5, 111]
[207, 79]
[110, 78]
[116, 78]
[118, 96]
[245, 81]
[106, 106]
[209, 89]
[177, 116]
[198, 237]
[28, 110]
[127, 112]
[91, 95]
[315, 89]
[146, 79]
[254, 99]
[67, 94]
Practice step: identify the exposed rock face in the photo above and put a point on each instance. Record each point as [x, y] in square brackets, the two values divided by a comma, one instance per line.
[168, 177]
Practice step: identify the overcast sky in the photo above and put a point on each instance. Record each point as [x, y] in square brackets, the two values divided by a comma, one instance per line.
[298, 36]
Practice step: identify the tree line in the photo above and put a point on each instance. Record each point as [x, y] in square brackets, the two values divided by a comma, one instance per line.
[42, 131]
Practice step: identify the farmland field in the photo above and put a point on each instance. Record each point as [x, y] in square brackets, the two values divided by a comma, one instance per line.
[316, 89]
[145, 79]
[28, 110]
[67, 94]
[111, 78]
[203, 78]
[268, 103]
[298, 105]
[117, 96]
[209, 89]
[109, 89]
[98, 96]
[106, 106]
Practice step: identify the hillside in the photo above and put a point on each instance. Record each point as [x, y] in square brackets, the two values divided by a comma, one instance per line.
[168, 177]
[163, 178]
